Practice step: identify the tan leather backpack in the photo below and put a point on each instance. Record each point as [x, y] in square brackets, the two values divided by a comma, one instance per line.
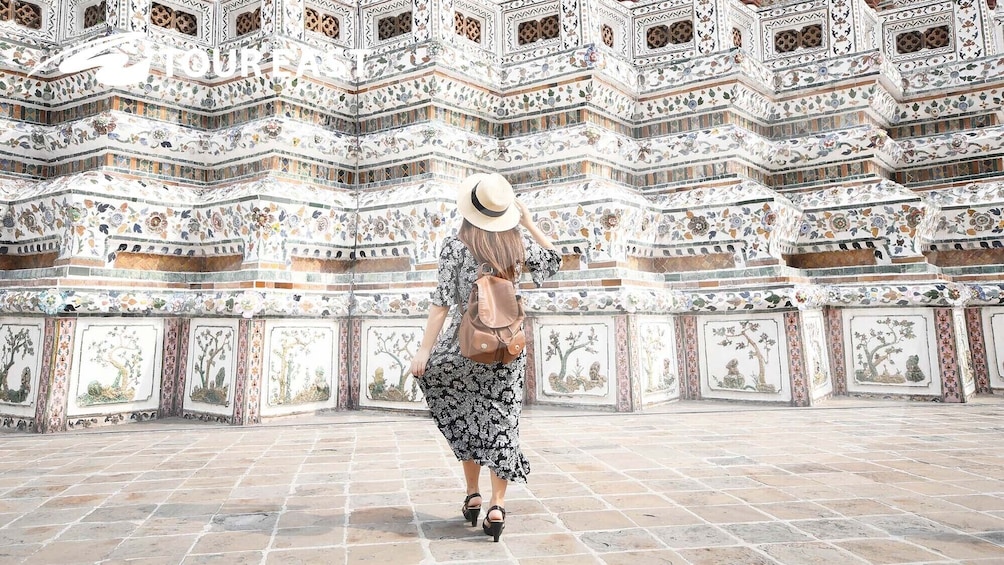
[491, 330]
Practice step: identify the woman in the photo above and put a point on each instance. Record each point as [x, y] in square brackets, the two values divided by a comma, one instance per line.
[476, 405]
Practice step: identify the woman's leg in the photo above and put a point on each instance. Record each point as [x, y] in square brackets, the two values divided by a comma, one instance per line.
[472, 474]
[499, 486]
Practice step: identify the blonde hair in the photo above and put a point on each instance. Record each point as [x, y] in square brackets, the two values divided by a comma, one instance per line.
[503, 251]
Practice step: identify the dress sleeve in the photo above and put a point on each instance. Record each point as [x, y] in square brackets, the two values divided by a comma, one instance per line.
[542, 263]
[450, 259]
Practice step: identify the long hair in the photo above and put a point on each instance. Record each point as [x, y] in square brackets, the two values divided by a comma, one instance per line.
[503, 251]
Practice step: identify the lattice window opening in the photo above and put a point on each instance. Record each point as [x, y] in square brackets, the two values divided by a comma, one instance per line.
[527, 32]
[607, 35]
[95, 14]
[937, 37]
[676, 33]
[917, 40]
[393, 26]
[737, 38]
[169, 18]
[327, 25]
[467, 27]
[788, 40]
[549, 28]
[811, 36]
[24, 14]
[681, 32]
[248, 22]
[531, 31]
[657, 36]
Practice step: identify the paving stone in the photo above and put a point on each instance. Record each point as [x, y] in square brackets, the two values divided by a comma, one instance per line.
[531, 524]
[668, 516]
[550, 545]
[98, 530]
[15, 553]
[795, 510]
[72, 552]
[233, 558]
[994, 537]
[385, 553]
[629, 488]
[619, 540]
[325, 517]
[702, 498]
[172, 526]
[119, 513]
[380, 533]
[984, 502]
[809, 553]
[837, 528]
[722, 555]
[880, 551]
[222, 542]
[50, 517]
[306, 556]
[859, 507]
[959, 546]
[908, 525]
[559, 505]
[561, 560]
[75, 501]
[729, 513]
[599, 520]
[160, 547]
[655, 557]
[143, 561]
[693, 536]
[473, 550]
[764, 532]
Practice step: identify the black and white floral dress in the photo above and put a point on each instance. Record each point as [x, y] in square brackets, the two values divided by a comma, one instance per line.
[477, 405]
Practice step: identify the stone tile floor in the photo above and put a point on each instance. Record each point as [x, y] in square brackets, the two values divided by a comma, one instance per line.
[703, 483]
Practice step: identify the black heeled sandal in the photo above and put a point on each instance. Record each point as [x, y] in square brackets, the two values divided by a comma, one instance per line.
[471, 512]
[494, 527]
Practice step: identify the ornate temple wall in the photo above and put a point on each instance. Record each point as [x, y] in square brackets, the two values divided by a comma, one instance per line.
[756, 201]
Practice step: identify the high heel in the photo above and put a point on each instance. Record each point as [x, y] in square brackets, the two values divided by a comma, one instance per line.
[471, 512]
[494, 527]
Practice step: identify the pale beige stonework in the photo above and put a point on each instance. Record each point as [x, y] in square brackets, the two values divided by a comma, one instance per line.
[729, 486]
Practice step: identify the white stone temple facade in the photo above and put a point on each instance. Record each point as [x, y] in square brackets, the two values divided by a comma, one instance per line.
[231, 210]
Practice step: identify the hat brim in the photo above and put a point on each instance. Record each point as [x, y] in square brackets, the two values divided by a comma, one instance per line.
[505, 222]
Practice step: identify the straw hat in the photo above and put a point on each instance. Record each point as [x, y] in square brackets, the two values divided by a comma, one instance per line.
[488, 201]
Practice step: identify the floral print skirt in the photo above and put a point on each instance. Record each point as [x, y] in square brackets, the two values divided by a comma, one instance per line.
[477, 407]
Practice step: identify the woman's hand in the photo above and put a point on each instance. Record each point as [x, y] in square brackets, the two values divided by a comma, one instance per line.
[525, 218]
[419, 361]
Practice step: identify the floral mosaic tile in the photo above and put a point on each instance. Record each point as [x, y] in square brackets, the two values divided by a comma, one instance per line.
[740, 358]
[658, 376]
[816, 356]
[993, 324]
[575, 362]
[892, 352]
[210, 379]
[117, 367]
[387, 351]
[21, 357]
[299, 367]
